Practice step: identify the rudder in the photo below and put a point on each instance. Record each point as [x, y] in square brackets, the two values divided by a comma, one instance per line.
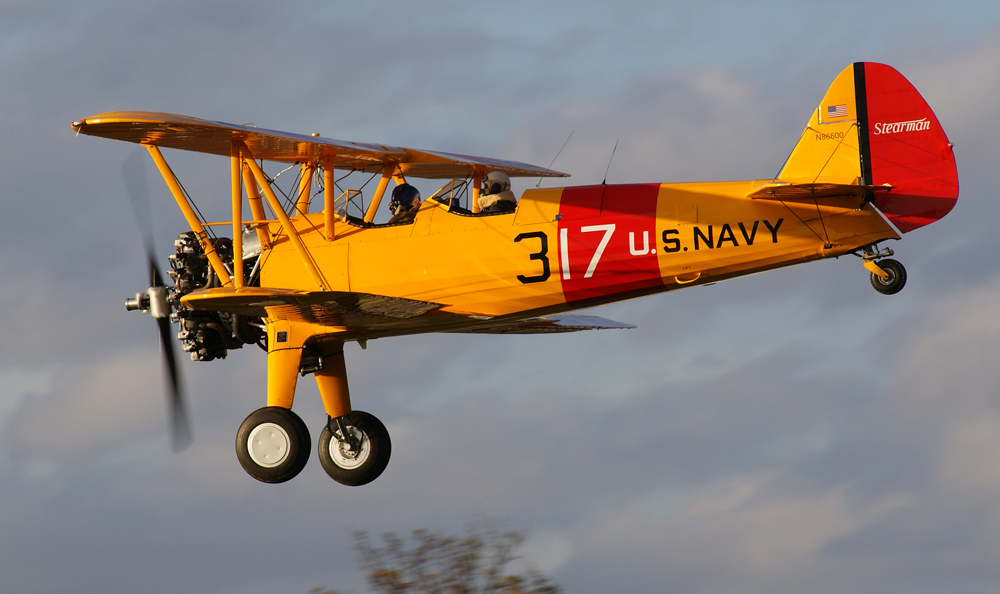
[905, 148]
[873, 128]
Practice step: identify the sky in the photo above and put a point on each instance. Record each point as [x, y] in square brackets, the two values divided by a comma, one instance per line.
[792, 431]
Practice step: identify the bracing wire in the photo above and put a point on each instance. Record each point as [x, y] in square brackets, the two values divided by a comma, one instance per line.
[551, 163]
[609, 164]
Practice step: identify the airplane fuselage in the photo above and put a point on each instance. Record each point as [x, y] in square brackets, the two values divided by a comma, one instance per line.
[569, 248]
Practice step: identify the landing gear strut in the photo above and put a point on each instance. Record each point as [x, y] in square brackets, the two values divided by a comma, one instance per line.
[894, 279]
[888, 276]
[273, 443]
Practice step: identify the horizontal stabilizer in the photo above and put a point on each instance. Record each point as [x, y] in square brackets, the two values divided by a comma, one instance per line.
[549, 325]
[789, 191]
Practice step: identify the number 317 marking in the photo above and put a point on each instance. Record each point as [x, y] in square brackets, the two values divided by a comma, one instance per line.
[542, 253]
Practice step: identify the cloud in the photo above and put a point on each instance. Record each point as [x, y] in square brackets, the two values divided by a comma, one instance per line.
[90, 409]
[967, 457]
[749, 532]
[953, 344]
[699, 125]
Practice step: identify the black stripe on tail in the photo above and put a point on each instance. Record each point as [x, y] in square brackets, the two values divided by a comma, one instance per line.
[861, 105]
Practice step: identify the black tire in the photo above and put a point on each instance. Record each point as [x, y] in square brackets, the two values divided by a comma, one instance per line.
[362, 469]
[896, 280]
[280, 447]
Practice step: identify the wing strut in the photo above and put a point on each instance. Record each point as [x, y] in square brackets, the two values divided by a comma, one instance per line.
[256, 208]
[190, 216]
[379, 192]
[293, 235]
[305, 188]
[476, 186]
[235, 167]
[329, 197]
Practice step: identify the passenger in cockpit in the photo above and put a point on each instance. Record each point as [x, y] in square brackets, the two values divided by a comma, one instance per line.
[405, 200]
[495, 195]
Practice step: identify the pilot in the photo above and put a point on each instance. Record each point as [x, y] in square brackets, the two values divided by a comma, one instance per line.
[495, 195]
[405, 200]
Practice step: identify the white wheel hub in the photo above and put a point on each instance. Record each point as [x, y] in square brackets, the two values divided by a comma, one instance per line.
[268, 445]
[345, 457]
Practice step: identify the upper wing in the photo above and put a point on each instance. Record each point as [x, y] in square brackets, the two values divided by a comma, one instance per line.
[205, 136]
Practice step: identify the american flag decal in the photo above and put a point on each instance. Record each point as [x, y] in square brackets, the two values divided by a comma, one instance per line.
[836, 111]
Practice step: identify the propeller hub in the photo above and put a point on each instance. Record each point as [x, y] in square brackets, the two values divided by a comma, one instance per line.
[154, 301]
[140, 302]
[158, 306]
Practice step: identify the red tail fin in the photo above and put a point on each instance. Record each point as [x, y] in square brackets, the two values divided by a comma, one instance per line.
[903, 145]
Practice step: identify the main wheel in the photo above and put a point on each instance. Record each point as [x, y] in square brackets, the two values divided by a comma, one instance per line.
[896, 280]
[362, 457]
[273, 444]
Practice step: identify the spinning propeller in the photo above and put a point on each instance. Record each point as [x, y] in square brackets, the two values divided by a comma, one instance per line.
[154, 300]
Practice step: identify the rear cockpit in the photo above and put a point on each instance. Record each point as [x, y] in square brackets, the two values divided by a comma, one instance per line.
[457, 196]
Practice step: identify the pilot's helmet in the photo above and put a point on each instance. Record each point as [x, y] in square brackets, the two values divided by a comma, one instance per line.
[404, 197]
[495, 182]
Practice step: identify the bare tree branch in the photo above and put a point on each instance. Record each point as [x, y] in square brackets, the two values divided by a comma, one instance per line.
[433, 563]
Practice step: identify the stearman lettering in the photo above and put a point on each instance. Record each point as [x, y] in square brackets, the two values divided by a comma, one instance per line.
[896, 127]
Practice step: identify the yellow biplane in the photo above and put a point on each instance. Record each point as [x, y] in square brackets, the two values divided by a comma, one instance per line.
[301, 276]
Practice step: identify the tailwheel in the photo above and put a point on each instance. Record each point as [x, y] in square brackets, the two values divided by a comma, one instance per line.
[895, 279]
[354, 449]
[273, 444]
